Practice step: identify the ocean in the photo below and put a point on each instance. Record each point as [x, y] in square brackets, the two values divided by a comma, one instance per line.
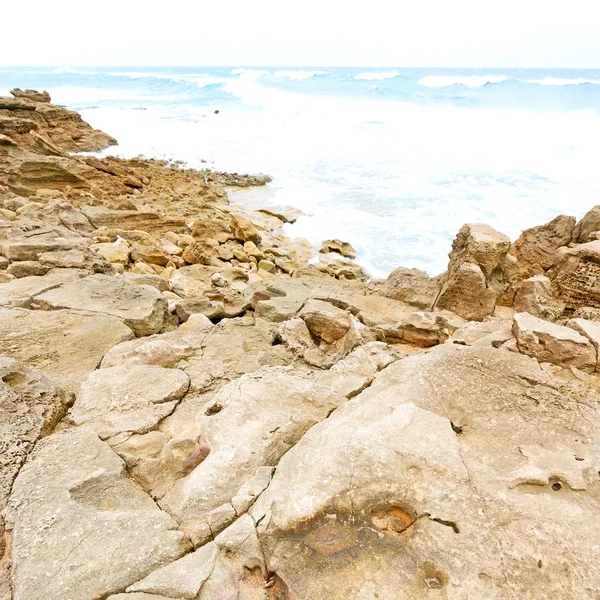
[392, 160]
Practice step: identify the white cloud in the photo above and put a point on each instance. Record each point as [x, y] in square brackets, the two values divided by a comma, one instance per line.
[309, 33]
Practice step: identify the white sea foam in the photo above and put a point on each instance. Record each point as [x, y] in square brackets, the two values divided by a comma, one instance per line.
[563, 81]
[60, 70]
[472, 81]
[248, 73]
[299, 74]
[376, 76]
[399, 190]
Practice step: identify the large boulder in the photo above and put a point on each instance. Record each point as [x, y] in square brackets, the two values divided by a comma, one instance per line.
[343, 248]
[535, 296]
[536, 250]
[243, 230]
[576, 278]
[65, 345]
[81, 529]
[499, 469]
[474, 278]
[556, 344]
[589, 225]
[325, 321]
[413, 287]
[140, 307]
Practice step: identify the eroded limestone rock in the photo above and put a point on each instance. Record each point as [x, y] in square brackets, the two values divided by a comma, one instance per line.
[474, 278]
[30, 407]
[80, 527]
[556, 344]
[495, 456]
[65, 345]
[128, 398]
[140, 307]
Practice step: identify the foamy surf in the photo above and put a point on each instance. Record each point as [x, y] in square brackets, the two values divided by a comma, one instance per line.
[472, 81]
[376, 76]
[299, 75]
[381, 165]
[561, 81]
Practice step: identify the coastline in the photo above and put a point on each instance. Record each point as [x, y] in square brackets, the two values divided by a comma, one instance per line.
[193, 406]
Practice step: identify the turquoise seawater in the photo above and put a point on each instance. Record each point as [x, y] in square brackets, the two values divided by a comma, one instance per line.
[392, 160]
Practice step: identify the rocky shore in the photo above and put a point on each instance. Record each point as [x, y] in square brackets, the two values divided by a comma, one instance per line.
[194, 406]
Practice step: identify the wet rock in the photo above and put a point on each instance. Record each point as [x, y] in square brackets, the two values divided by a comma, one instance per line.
[556, 344]
[80, 526]
[343, 248]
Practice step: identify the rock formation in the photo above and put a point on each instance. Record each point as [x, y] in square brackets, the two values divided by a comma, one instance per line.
[192, 408]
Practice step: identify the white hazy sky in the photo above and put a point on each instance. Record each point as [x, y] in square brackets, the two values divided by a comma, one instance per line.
[444, 33]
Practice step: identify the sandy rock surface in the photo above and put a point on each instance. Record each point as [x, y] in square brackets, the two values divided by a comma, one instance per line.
[193, 405]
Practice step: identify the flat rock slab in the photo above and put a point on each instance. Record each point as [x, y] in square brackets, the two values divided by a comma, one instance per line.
[454, 463]
[81, 528]
[65, 345]
[140, 307]
[30, 407]
[20, 292]
[129, 398]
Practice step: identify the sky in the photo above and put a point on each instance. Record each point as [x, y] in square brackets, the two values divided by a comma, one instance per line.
[420, 33]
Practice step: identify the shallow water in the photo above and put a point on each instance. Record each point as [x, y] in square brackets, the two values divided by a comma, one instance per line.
[392, 160]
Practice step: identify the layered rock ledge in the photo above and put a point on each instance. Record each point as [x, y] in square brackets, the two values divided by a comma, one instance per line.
[191, 407]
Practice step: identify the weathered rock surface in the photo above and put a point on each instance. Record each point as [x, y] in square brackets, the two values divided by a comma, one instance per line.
[80, 527]
[576, 277]
[343, 248]
[65, 345]
[490, 447]
[309, 441]
[128, 398]
[537, 248]
[585, 228]
[413, 287]
[140, 307]
[534, 295]
[30, 408]
[473, 281]
[556, 344]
